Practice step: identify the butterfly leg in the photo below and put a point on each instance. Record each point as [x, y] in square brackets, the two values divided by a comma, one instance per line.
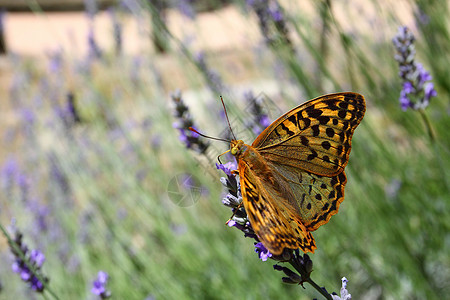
[234, 212]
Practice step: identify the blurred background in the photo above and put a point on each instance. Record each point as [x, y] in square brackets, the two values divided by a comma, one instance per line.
[98, 171]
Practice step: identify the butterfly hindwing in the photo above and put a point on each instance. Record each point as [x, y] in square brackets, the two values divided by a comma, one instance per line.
[316, 198]
[315, 136]
[272, 219]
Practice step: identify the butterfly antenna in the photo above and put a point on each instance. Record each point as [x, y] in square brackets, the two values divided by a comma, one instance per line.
[226, 115]
[208, 137]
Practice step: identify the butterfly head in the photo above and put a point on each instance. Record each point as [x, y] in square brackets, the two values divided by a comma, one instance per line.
[237, 147]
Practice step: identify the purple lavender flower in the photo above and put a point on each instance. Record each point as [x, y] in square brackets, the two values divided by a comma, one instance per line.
[227, 168]
[9, 172]
[56, 61]
[185, 7]
[27, 263]
[94, 50]
[260, 120]
[271, 21]
[117, 31]
[262, 251]
[184, 121]
[135, 70]
[417, 86]
[213, 79]
[99, 285]
[71, 108]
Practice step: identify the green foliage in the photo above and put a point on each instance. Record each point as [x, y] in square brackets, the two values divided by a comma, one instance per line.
[93, 195]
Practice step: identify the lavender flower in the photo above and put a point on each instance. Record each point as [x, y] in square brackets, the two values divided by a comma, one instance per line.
[9, 172]
[417, 86]
[262, 251]
[261, 9]
[184, 121]
[212, 77]
[117, 31]
[27, 263]
[99, 285]
[260, 119]
[270, 12]
[56, 61]
[344, 293]
[94, 50]
[185, 7]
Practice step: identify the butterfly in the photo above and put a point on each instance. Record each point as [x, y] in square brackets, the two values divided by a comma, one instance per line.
[292, 176]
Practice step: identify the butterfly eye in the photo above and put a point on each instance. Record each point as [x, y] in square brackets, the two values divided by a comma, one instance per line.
[234, 151]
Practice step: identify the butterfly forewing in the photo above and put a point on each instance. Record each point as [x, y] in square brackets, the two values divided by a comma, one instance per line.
[274, 221]
[315, 136]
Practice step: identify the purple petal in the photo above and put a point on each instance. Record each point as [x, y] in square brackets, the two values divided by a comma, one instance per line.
[262, 251]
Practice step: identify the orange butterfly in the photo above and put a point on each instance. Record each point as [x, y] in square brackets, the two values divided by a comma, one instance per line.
[292, 176]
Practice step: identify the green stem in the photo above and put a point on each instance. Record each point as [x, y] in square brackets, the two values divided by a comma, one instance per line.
[306, 277]
[428, 125]
[31, 267]
[318, 288]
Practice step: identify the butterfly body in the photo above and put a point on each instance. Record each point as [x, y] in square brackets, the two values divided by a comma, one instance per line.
[292, 176]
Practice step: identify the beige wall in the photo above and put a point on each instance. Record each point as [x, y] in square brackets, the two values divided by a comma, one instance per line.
[51, 5]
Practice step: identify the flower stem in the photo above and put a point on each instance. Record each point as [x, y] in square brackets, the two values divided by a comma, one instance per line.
[318, 288]
[306, 277]
[428, 125]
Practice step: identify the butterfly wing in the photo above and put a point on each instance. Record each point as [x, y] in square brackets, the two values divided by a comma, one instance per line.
[315, 198]
[272, 219]
[315, 136]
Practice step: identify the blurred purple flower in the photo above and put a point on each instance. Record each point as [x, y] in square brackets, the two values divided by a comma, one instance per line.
[99, 285]
[272, 23]
[260, 120]
[275, 12]
[57, 174]
[133, 6]
[135, 70]
[9, 172]
[10, 169]
[213, 79]
[417, 86]
[117, 30]
[56, 61]
[184, 120]
[186, 8]
[94, 51]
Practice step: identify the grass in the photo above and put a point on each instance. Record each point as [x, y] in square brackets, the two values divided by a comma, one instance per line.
[94, 195]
